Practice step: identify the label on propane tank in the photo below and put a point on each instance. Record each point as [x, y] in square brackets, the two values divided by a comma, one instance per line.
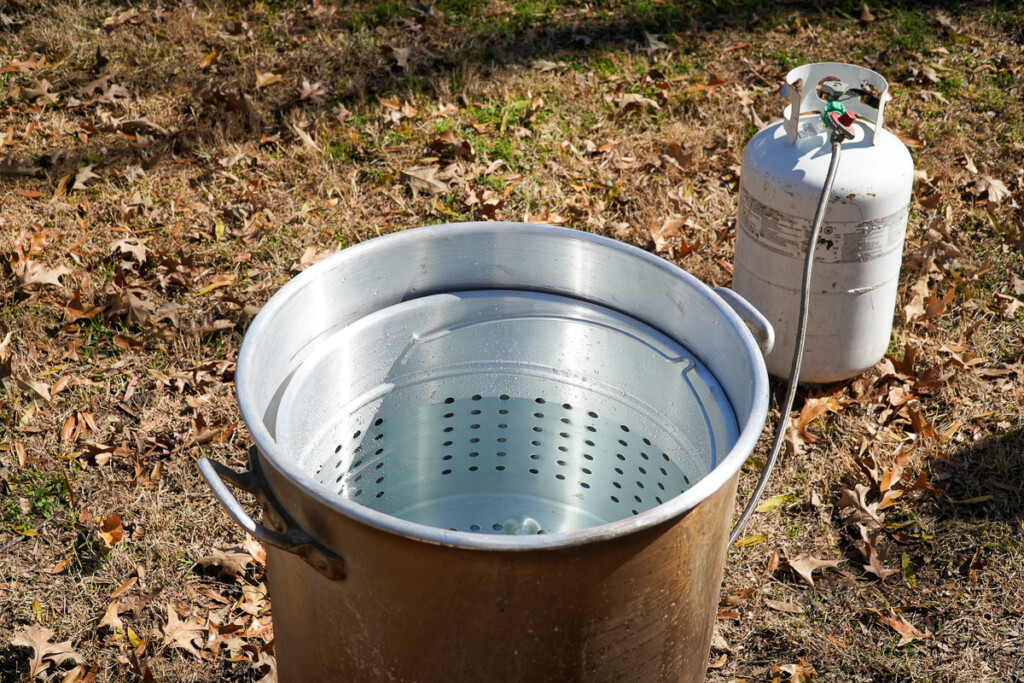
[837, 243]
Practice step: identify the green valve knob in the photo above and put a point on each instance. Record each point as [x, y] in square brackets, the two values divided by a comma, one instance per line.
[830, 107]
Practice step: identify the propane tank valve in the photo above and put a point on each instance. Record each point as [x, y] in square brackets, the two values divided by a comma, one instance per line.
[839, 119]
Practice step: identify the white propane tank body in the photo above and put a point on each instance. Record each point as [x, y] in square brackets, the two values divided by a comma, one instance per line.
[860, 247]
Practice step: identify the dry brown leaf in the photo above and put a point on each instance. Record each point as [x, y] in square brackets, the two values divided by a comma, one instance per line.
[805, 565]
[111, 531]
[780, 606]
[908, 632]
[312, 91]
[922, 427]
[670, 227]
[813, 408]
[652, 44]
[253, 600]
[68, 430]
[208, 59]
[44, 652]
[863, 512]
[399, 54]
[83, 176]
[266, 78]
[915, 308]
[424, 178]
[255, 549]
[991, 188]
[937, 306]
[37, 390]
[865, 13]
[676, 152]
[487, 202]
[800, 672]
[229, 561]
[183, 634]
[36, 61]
[1008, 306]
[633, 101]
[121, 18]
[869, 548]
[40, 92]
[76, 310]
[132, 247]
[37, 274]
[111, 618]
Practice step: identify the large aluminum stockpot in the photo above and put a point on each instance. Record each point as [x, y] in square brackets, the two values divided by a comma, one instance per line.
[496, 451]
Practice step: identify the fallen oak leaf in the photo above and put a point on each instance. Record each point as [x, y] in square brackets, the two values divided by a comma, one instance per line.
[682, 158]
[83, 176]
[713, 82]
[937, 306]
[121, 18]
[908, 632]
[812, 409]
[111, 531]
[36, 274]
[653, 44]
[863, 511]
[805, 565]
[630, 100]
[230, 562]
[263, 79]
[37, 390]
[255, 549]
[992, 188]
[399, 54]
[783, 606]
[37, 637]
[424, 178]
[111, 618]
[869, 548]
[183, 634]
[670, 227]
[253, 600]
[208, 59]
[311, 91]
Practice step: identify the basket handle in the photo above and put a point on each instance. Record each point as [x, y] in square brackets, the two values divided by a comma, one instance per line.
[288, 536]
[764, 333]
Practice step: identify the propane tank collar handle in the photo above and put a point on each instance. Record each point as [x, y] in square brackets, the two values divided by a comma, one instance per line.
[865, 100]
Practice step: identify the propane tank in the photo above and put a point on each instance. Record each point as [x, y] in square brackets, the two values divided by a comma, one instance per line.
[858, 255]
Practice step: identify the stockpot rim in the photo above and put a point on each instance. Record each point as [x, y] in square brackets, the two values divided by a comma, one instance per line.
[246, 379]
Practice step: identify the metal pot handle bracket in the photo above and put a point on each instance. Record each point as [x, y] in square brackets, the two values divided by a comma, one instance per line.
[286, 535]
[764, 333]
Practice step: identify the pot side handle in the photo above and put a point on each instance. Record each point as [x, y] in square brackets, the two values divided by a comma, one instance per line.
[288, 536]
[764, 333]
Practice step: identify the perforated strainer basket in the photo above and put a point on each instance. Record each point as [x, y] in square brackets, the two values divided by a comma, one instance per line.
[438, 406]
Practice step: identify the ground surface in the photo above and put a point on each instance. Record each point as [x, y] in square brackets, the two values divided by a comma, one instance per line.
[167, 167]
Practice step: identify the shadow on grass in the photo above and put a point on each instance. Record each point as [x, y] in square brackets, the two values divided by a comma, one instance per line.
[986, 480]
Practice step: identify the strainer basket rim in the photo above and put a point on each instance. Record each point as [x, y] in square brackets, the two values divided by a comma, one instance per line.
[247, 374]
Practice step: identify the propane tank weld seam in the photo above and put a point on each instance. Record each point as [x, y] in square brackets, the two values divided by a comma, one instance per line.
[798, 351]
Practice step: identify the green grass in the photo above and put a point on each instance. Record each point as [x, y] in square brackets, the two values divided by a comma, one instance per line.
[914, 31]
[46, 493]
